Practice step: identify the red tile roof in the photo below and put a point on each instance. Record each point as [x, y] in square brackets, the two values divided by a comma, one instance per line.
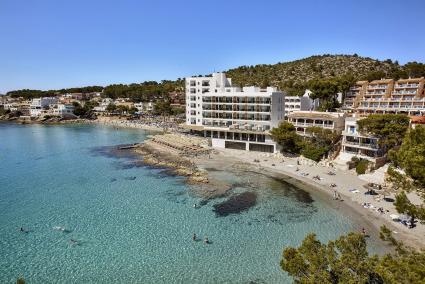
[417, 119]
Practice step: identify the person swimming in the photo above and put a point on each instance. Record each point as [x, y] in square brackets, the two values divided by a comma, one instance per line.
[194, 237]
[206, 240]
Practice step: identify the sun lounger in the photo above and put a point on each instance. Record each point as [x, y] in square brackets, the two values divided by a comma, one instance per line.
[395, 217]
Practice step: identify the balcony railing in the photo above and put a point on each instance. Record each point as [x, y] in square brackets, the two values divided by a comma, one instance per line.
[370, 87]
[407, 86]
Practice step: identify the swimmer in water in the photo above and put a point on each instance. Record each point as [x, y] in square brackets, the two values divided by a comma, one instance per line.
[206, 240]
[194, 237]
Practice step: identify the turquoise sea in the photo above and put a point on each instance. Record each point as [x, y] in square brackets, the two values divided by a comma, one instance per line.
[134, 224]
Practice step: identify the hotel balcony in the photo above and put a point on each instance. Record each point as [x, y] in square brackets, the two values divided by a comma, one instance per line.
[402, 86]
[376, 93]
[374, 87]
[405, 92]
[361, 144]
[310, 124]
[363, 153]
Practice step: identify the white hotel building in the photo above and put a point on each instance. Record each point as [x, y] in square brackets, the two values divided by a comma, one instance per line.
[233, 117]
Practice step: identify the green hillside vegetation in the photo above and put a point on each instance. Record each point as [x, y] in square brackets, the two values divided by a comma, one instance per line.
[323, 74]
[295, 76]
[149, 90]
[319, 142]
[29, 94]
[347, 260]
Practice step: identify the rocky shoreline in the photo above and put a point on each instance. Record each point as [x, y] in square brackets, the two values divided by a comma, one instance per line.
[177, 164]
[202, 185]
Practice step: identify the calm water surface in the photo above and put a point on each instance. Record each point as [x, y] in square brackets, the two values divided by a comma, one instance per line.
[134, 224]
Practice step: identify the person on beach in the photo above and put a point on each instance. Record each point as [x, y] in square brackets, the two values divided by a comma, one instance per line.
[364, 231]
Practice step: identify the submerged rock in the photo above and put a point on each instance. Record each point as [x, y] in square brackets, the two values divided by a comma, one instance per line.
[236, 204]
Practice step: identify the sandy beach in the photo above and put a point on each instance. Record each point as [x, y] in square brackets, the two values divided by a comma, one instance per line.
[348, 185]
[121, 123]
[303, 173]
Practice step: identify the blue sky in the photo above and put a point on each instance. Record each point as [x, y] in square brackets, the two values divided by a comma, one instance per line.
[50, 44]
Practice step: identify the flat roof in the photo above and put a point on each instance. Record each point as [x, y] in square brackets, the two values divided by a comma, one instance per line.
[316, 114]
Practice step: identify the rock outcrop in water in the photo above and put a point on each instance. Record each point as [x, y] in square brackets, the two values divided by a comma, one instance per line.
[236, 204]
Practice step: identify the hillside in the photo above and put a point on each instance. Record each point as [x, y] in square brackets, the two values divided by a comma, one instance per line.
[294, 76]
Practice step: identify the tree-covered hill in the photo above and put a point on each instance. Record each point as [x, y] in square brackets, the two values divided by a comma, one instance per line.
[294, 76]
[332, 71]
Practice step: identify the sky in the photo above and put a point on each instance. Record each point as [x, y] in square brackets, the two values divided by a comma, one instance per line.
[53, 44]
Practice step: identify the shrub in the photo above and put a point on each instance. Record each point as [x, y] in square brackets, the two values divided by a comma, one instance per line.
[361, 166]
[313, 152]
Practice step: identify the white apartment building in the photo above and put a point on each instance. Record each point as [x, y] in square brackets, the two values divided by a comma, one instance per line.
[356, 144]
[149, 106]
[297, 103]
[103, 105]
[38, 104]
[144, 107]
[233, 117]
[328, 120]
[62, 110]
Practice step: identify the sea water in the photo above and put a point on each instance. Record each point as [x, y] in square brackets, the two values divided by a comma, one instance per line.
[134, 224]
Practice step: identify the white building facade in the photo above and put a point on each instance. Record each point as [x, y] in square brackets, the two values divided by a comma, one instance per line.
[103, 105]
[328, 120]
[360, 145]
[298, 103]
[233, 117]
[38, 104]
[62, 110]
